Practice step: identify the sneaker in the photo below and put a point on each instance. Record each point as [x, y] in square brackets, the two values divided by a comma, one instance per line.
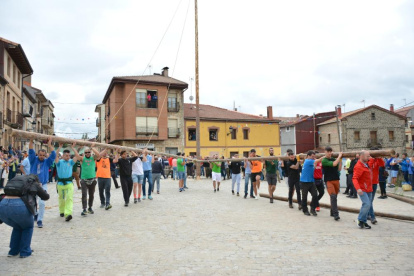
[366, 226]
[345, 193]
[291, 206]
[313, 212]
[300, 207]
[102, 205]
[139, 199]
[10, 255]
[271, 200]
[135, 200]
[118, 187]
[39, 224]
[374, 221]
[182, 190]
[238, 194]
[150, 197]
[385, 196]
[90, 211]
[245, 196]
[252, 197]
[215, 190]
[218, 189]
[256, 197]
[126, 204]
[61, 215]
[158, 192]
[306, 213]
[185, 187]
[232, 192]
[381, 197]
[144, 197]
[360, 224]
[109, 206]
[337, 218]
[68, 218]
[318, 209]
[84, 213]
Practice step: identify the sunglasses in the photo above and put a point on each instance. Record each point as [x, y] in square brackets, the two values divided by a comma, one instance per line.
[87, 153]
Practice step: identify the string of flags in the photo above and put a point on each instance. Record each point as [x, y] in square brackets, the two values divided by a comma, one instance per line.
[76, 119]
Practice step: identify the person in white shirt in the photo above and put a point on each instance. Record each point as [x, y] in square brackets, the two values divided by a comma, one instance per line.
[138, 175]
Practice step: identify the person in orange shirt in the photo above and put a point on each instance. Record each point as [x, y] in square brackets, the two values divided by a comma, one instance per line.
[374, 164]
[103, 173]
[256, 166]
[362, 180]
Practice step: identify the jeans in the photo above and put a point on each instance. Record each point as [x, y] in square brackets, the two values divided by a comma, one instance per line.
[246, 184]
[320, 189]
[147, 175]
[156, 178]
[104, 184]
[14, 213]
[406, 176]
[113, 175]
[202, 171]
[223, 174]
[366, 205]
[235, 178]
[87, 189]
[41, 211]
[280, 173]
[309, 187]
[126, 185]
[292, 186]
[175, 173]
[371, 209]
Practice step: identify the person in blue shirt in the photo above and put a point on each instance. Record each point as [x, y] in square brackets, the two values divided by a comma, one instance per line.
[25, 166]
[39, 165]
[308, 183]
[147, 166]
[405, 164]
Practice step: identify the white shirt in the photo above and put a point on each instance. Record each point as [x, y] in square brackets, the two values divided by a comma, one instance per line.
[137, 167]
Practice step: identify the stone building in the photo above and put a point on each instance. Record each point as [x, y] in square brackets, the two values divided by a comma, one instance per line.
[145, 111]
[372, 126]
[407, 112]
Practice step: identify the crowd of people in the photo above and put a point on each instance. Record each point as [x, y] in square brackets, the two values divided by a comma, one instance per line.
[94, 167]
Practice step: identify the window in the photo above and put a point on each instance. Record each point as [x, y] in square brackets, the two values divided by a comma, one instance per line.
[373, 116]
[391, 135]
[192, 134]
[287, 129]
[233, 133]
[245, 154]
[146, 125]
[233, 153]
[213, 135]
[18, 79]
[329, 138]
[9, 66]
[152, 99]
[320, 138]
[357, 136]
[172, 102]
[140, 98]
[373, 136]
[14, 73]
[192, 153]
[245, 134]
[406, 138]
[173, 131]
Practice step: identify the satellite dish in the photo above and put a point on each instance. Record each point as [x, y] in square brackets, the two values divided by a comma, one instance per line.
[191, 98]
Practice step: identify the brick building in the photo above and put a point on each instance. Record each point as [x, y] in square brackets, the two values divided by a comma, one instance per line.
[372, 126]
[145, 111]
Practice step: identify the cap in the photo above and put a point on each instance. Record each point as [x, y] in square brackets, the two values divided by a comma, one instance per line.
[252, 150]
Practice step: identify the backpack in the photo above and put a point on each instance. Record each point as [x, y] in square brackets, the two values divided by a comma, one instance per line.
[20, 185]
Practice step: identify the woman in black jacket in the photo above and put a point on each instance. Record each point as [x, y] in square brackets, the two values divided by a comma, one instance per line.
[17, 210]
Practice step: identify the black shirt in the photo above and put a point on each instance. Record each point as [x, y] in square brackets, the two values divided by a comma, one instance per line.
[330, 173]
[352, 165]
[125, 166]
[293, 175]
[156, 167]
[235, 167]
[206, 165]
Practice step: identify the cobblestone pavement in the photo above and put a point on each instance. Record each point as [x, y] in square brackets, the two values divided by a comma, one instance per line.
[201, 232]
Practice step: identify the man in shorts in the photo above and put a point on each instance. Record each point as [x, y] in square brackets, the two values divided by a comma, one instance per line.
[256, 167]
[216, 172]
[138, 175]
[181, 172]
[271, 167]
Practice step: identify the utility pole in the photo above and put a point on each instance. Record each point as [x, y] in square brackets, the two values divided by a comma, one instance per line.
[339, 133]
[197, 92]
[314, 132]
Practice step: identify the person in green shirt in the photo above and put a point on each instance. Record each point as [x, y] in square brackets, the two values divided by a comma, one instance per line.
[271, 167]
[216, 172]
[348, 183]
[181, 172]
[88, 178]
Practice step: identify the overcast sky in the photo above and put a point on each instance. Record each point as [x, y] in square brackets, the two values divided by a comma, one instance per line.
[298, 56]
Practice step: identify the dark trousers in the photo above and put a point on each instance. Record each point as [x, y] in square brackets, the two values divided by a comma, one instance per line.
[292, 186]
[87, 189]
[104, 185]
[348, 183]
[406, 179]
[352, 190]
[383, 188]
[11, 175]
[208, 172]
[320, 189]
[126, 185]
[113, 175]
[147, 176]
[309, 187]
[223, 174]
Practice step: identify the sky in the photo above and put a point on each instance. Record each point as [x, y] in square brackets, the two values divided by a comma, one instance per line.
[297, 56]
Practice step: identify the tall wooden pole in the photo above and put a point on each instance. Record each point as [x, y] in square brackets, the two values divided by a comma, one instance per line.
[339, 132]
[197, 91]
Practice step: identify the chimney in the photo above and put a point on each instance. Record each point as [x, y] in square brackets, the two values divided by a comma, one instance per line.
[270, 113]
[165, 71]
[339, 110]
[391, 107]
[297, 115]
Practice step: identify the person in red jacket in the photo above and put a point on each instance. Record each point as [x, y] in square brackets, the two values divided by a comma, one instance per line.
[362, 180]
[374, 164]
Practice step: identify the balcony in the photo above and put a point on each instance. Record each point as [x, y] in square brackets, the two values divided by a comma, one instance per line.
[376, 143]
[16, 120]
[98, 122]
[147, 131]
[173, 107]
[9, 116]
[28, 111]
[46, 122]
[173, 132]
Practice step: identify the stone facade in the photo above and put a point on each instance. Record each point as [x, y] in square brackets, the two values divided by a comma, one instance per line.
[370, 127]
